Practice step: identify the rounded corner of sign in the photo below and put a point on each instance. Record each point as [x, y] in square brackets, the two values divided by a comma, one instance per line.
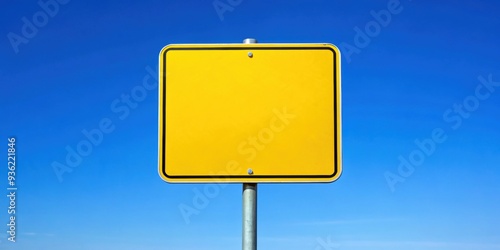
[332, 47]
[164, 175]
[166, 48]
[336, 175]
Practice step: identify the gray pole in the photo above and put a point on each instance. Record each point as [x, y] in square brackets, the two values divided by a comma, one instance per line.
[249, 204]
[249, 216]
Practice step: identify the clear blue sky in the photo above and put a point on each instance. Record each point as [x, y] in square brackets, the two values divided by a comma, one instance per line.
[411, 71]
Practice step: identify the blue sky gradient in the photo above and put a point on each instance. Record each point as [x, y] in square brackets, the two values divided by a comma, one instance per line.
[429, 70]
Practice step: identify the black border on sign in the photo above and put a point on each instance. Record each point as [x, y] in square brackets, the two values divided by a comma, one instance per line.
[248, 177]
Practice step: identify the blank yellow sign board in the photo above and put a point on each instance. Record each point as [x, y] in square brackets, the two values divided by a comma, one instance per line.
[249, 113]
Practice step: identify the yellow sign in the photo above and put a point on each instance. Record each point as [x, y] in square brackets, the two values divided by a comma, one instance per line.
[250, 113]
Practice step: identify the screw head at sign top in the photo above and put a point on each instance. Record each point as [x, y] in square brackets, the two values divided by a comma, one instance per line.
[250, 41]
[250, 171]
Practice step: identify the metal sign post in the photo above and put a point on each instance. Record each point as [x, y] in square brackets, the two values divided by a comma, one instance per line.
[249, 205]
[249, 216]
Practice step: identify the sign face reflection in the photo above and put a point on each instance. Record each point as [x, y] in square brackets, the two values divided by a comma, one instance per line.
[250, 113]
